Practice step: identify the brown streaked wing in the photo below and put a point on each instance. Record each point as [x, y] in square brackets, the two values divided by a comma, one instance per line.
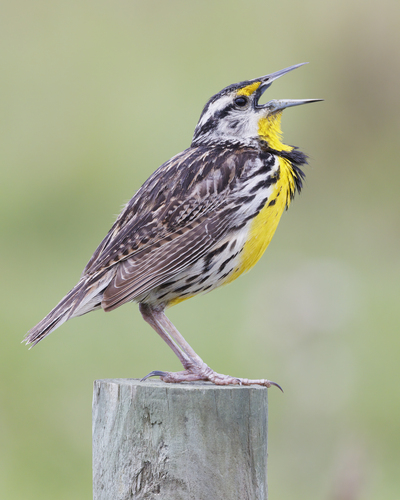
[139, 275]
[181, 192]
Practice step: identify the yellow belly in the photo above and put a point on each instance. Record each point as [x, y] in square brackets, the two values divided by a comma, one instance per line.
[264, 225]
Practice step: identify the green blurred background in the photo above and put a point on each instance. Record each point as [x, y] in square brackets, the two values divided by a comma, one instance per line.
[95, 95]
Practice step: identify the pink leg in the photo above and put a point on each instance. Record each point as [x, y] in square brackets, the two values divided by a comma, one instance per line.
[195, 368]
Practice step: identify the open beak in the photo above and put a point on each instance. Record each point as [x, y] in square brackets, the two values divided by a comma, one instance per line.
[275, 105]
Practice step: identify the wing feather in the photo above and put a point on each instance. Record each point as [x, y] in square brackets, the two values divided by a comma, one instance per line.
[189, 187]
[137, 276]
[171, 222]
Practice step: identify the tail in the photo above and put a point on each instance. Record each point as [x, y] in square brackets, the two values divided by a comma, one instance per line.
[84, 297]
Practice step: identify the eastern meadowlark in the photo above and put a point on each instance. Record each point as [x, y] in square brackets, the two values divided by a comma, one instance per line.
[201, 220]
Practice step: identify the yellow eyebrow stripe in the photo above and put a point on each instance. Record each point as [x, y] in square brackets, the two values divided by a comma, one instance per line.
[249, 89]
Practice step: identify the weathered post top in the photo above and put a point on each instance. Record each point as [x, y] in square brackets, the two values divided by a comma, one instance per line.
[153, 440]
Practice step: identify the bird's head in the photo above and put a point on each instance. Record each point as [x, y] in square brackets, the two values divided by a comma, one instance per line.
[235, 116]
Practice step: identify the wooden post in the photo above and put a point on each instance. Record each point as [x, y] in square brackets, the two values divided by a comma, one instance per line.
[194, 441]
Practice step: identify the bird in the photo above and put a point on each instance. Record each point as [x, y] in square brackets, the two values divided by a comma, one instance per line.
[200, 220]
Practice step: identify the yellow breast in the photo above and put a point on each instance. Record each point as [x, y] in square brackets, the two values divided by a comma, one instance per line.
[265, 223]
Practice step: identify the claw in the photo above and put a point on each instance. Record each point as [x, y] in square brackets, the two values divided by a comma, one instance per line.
[276, 385]
[155, 373]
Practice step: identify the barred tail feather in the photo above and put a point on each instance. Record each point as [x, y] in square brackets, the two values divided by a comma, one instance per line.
[84, 297]
[46, 326]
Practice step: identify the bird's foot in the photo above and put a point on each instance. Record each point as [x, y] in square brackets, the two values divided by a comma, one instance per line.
[203, 372]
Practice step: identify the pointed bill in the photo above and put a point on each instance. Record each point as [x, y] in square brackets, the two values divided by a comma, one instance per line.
[268, 79]
[277, 105]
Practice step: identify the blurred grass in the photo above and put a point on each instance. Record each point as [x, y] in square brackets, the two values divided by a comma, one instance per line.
[95, 96]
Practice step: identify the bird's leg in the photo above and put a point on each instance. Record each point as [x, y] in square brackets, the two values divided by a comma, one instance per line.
[195, 368]
[149, 316]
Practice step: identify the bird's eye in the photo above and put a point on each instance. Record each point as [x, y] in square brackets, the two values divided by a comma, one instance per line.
[241, 101]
